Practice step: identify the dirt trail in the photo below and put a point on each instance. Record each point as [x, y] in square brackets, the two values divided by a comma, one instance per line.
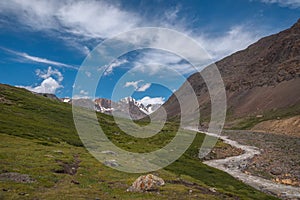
[234, 165]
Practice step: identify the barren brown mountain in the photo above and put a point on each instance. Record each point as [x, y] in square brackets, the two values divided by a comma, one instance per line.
[262, 79]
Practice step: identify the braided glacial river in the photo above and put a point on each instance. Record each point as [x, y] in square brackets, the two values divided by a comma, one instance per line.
[231, 165]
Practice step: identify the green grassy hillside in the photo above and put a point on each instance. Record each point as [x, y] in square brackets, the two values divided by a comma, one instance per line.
[38, 138]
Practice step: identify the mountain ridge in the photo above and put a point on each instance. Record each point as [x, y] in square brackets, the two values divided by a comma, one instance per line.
[263, 77]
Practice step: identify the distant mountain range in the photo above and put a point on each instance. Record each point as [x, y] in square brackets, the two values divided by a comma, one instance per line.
[127, 107]
[263, 78]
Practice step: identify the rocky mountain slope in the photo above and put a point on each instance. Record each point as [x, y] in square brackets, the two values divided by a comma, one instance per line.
[263, 78]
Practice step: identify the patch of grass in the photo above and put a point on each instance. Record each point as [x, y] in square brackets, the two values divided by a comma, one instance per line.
[36, 117]
[38, 135]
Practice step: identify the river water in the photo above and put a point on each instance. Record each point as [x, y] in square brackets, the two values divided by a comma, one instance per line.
[233, 166]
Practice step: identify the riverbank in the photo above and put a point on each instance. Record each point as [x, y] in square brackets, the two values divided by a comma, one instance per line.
[237, 166]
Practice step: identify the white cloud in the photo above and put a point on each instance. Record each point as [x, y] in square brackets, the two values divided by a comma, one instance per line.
[213, 48]
[133, 84]
[172, 13]
[88, 74]
[36, 59]
[137, 86]
[99, 19]
[85, 18]
[152, 62]
[117, 63]
[49, 85]
[144, 87]
[36, 14]
[44, 60]
[237, 38]
[52, 79]
[83, 92]
[284, 3]
[81, 97]
[48, 73]
[96, 18]
[73, 21]
[160, 57]
[85, 50]
[148, 100]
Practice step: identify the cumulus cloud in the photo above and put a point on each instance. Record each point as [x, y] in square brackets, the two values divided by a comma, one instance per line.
[149, 100]
[137, 86]
[48, 85]
[48, 73]
[284, 3]
[51, 81]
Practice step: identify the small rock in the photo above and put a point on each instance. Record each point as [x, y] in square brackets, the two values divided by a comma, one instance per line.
[243, 165]
[276, 171]
[246, 172]
[75, 182]
[190, 191]
[111, 163]
[109, 152]
[144, 183]
[58, 151]
[212, 190]
[287, 181]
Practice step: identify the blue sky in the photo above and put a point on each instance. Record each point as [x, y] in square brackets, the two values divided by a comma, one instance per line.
[44, 43]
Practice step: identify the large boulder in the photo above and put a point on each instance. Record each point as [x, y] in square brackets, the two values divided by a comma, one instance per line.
[144, 183]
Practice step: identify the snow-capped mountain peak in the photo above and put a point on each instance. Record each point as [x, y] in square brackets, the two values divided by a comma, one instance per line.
[131, 101]
[126, 107]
